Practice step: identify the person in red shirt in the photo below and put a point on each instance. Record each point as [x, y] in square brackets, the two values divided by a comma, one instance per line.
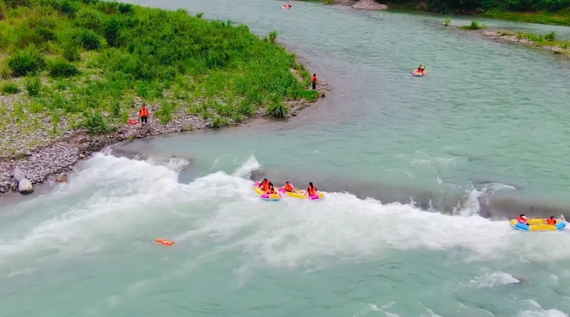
[551, 221]
[314, 81]
[522, 219]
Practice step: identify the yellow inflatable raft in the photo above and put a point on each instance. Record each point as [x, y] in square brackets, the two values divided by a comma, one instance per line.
[538, 225]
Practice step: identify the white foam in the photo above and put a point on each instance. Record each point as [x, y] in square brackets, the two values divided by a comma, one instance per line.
[116, 199]
[492, 279]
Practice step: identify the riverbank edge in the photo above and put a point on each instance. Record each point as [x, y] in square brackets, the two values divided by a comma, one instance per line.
[545, 18]
[62, 155]
[513, 38]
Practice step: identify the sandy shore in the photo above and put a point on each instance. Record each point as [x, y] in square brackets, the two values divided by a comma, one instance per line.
[59, 155]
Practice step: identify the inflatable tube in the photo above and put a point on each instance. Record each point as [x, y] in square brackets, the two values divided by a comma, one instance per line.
[538, 225]
[263, 195]
[417, 74]
[301, 194]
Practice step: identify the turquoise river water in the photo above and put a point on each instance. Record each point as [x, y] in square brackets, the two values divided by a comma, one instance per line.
[413, 168]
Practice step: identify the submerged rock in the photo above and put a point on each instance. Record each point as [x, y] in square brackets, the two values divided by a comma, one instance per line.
[25, 186]
[62, 178]
[18, 174]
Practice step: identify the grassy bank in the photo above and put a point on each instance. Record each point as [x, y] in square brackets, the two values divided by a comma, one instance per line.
[548, 41]
[531, 11]
[74, 64]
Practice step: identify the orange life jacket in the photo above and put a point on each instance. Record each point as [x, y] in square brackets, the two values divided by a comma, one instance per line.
[314, 79]
[551, 221]
[265, 186]
[144, 112]
[312, 191]
[288, 187]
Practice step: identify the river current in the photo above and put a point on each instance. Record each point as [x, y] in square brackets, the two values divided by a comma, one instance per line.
[414, 169]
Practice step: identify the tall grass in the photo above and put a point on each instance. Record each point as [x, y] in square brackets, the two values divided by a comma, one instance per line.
[89, 59]
[474, 26]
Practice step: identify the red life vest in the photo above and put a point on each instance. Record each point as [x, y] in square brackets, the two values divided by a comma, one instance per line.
[312, 191]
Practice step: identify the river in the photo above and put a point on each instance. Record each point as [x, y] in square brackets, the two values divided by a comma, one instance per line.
[485, 133]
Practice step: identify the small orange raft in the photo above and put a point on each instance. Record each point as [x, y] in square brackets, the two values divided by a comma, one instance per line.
[164, 242]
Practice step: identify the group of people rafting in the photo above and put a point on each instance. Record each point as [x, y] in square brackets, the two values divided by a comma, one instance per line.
[267, 186]
[524, 220]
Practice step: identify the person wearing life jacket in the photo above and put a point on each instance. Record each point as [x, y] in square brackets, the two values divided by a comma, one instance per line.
[264, 184]
[289, 6]
[143, 113]
[288, 187]
[522, 219]
[314, 81]
[551, 221]
[311, 190]
[419, 70]
[271, 190]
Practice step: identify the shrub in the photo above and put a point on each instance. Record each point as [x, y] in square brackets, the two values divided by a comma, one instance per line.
[33, 86]
[474, 26]
[126, 8]
[112, 32]
[70, 51]
[89, 40]
[447, 22]
[219, 122]
[60, 67]
[9, 88]
[89, 19]
[550, 36]
[94, 123]
[26, 61]
[272, 36]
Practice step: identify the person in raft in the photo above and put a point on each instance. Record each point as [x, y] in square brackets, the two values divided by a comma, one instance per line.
[314, 81]
[551, 221]
[288, 187]
[271, 190]
[522, 219]
[311, 190]
[143, 113]
[420, 69]
[264, 185]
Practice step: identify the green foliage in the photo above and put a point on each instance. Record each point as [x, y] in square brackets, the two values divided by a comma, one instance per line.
[447, 22]
[94, 123]
[59, 67]
[472, 6]
[9, 88]
[276, 108]
[550, 36]
[26, 61]
[474, 26]
[102, 54]
[33, 86]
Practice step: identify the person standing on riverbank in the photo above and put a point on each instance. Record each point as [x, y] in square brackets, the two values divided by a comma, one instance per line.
[314, 81]
[143, 113]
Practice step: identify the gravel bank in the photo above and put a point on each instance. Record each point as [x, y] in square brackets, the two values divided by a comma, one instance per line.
[41, 154]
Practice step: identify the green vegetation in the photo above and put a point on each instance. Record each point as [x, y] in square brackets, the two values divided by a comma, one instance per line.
[474, 26]
[540, 17]
[533, 11]
[82, 63]
[447, 22]
[549, 40]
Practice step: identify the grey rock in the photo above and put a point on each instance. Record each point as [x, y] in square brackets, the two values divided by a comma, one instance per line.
[18, 174]
[25, 186]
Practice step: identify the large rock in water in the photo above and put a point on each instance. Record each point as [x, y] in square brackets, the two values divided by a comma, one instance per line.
[25, 186]
[18, 174]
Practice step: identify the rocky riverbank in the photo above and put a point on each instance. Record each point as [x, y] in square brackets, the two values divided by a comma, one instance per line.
[362, 4]
[59, 155]
[561, 48]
